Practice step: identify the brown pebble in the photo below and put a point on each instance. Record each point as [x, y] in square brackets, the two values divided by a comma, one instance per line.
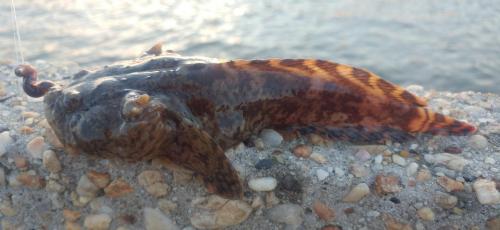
[315, 139]
[331, 227]
[412, 183]
[323, 211]
[70, 215]
[302, 150]
[21, 162]
[71, 226]
[349, 211]
[118, 188]
[387, 184]
[493, 223]
[404, 154]
[26, 130]
[449, 184]
[453, 149]
[100, 179]
[423, 175]
[31, 181]
[392, 223]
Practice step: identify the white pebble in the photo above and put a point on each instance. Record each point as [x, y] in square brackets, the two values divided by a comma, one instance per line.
[489, 160]
[154, 219]
[478, 141]
[263, 184]
[5, 140]
[362, 155]
[321, 174]
[318, 158]
[357, 193]
[486, 191]
[451, 161]
[271, 138]
[411, 169]
[99, 221]
[338, 171]
[398, 160]
[378, 159]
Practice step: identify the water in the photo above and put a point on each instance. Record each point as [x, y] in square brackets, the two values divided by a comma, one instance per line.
[445, 45]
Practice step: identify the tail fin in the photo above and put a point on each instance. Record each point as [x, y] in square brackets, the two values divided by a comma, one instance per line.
[438, 124]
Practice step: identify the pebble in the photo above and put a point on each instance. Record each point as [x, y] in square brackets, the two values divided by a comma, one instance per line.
[154, 219]
[489, 160]
[5, 140]
[35, 147]
[100, 179]
[493, 223]
[359, 170]
[478, 141]
[86, 188]
[378, 159]
[53, 186]
[153, 183]
[72, 226]
[290, 214]
[271, 138]
[263, 184]
[97, 222]
[451, 161]
[445, 200]
[411, 169]
[51, 137]
[302, 150]
[264, 164]
[21, 162]
[31, 181]
[70, 215]
[322, 174]
[357, 193]
[26, 130]
[338, 171]
[166, 206]
[290, 183]
[453, 150]
[271, 199]
[257, 202]
[319, 158]
[323, 211]
[118, 188]
[398, 160]
[30, 114]
[51, 162]
[362, 155]
[315, 139]
[6, 209]
[386, 184]
[218, 212]
[486, 192]
[423, 175]
[392, 223]
[331, 227]
[426, 214]
[449, 184]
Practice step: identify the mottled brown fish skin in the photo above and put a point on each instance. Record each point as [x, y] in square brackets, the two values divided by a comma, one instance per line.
[305, 92]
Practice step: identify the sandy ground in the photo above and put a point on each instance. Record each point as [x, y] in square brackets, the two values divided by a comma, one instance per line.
[40, 181]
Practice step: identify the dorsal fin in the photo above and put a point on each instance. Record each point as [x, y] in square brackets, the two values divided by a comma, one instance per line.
[330, 71]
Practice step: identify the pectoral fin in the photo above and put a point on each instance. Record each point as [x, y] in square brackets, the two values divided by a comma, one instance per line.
[197, 151]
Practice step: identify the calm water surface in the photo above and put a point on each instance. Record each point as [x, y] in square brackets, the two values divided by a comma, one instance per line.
[446, 45]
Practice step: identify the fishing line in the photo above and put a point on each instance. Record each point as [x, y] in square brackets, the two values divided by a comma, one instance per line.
[17, 36]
